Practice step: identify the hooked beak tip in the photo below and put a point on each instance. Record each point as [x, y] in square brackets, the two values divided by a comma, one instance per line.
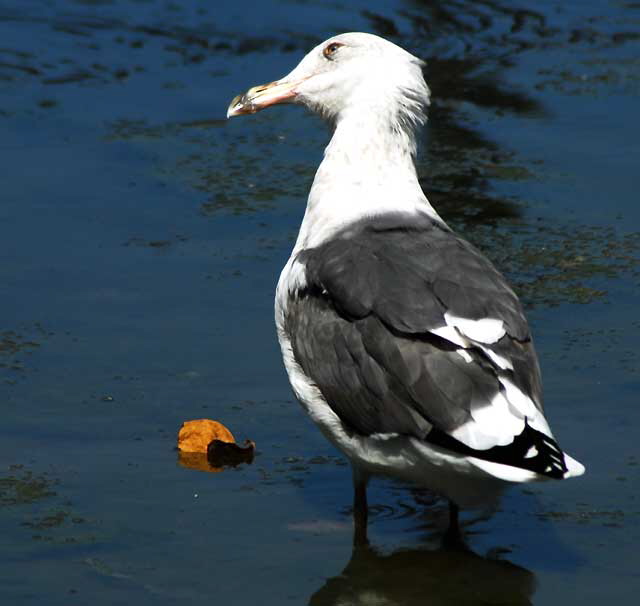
[262, 96]
[240, 104]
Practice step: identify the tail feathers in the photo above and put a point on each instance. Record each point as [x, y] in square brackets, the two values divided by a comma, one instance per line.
[531, 456]
[509, 473]
[574, 468]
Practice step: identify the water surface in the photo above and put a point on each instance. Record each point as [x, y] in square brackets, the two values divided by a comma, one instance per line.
[142, 236]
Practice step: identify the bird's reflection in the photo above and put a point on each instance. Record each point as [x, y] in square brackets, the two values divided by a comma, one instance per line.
[451, 575]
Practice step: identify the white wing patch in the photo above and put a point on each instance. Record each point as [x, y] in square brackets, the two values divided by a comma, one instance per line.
[501, 420]
[491, 425]
[449, 333]
[500, 361]
[485, 330]
[474, 333]
[464, 354]
[522, 406]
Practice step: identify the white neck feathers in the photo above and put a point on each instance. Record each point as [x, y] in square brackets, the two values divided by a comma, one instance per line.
[368, 170]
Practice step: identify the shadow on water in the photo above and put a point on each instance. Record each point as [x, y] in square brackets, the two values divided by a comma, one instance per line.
[439, 577]
[461, 160]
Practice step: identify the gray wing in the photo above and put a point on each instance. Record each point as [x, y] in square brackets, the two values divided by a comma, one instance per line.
[367, 329]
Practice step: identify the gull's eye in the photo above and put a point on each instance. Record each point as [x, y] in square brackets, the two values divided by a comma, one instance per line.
[331, 49]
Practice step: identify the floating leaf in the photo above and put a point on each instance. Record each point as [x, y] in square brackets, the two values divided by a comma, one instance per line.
[196, 435]
[207, 445]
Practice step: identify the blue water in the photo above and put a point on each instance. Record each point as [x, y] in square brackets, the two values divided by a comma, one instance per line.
[142, 236]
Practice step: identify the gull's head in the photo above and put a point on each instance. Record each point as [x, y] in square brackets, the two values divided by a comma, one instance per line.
[348, 74]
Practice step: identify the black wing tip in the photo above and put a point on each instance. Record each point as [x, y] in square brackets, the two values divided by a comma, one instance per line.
[547, 458]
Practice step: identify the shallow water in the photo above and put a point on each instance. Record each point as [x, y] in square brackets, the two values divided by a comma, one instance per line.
[142, 238]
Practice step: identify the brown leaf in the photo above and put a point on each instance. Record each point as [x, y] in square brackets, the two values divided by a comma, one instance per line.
[196, 435]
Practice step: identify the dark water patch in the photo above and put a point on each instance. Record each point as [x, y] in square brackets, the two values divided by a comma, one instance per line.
[16, 53]
[125, 130]
[32, 71]
[607, 341]
[16, 350]
[13, 343]
[204, 124]
[610, 519]
[237, 179]
[20, 486]
[51, 520]
[47, 103]
[467, 80]
[594, 77]
[486, 23]
[191, 38]
[157, 244]
[72, 77]
[551, 265]
[381, 25]
[35, 508]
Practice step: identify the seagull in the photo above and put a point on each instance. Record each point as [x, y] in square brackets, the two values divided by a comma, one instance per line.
[401, 340]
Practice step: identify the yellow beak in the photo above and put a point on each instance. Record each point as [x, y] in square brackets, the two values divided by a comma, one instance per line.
[262, 96]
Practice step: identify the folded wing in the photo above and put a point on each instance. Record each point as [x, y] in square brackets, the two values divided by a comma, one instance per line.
[406, 328]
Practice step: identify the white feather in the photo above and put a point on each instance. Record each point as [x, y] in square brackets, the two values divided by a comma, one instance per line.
[485, 330]
[522, 406]
[491, 425]
[449, 333]
[464, 355]
[500, 361]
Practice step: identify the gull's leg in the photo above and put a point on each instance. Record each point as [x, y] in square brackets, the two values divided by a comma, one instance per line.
[360, 510]
[454, 524]
[452, 536]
